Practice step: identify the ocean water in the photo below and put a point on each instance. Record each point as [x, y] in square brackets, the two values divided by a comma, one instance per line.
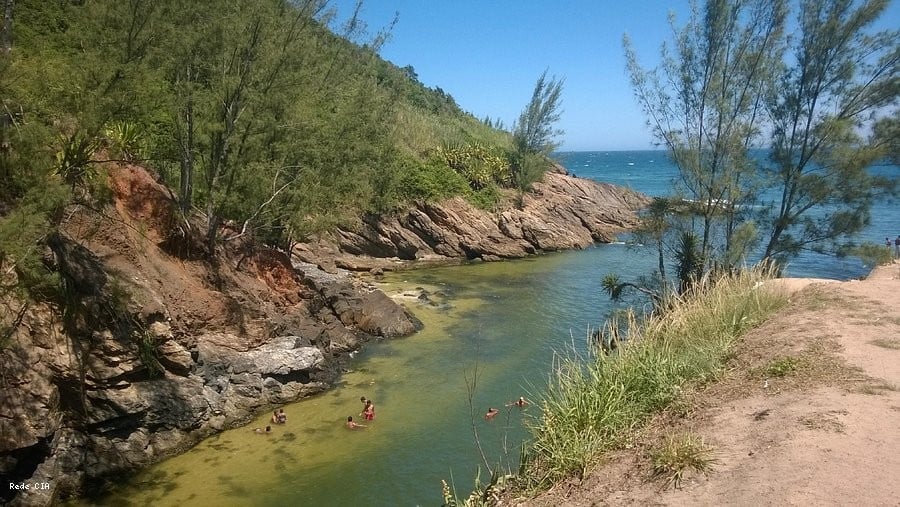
[490, 336]
[653, 173]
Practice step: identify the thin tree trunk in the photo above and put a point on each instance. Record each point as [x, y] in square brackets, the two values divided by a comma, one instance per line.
[6, 35]
[187, 159]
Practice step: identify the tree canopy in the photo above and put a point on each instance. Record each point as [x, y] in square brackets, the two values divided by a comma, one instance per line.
[275, 116]
[819, 96]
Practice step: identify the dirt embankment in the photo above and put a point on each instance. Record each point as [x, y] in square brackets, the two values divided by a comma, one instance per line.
[807, 414]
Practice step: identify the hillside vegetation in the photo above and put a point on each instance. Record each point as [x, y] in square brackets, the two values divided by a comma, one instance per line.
[274, 118]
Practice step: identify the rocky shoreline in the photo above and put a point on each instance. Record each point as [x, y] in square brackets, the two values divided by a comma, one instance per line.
[562, 212]
[197, 346]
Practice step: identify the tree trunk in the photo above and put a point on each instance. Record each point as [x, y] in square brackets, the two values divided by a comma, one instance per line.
[187, 159]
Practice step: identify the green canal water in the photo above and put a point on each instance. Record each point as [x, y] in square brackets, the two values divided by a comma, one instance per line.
[505, 320]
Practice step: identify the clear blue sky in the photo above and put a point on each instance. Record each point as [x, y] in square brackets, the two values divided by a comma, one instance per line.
[489, 53]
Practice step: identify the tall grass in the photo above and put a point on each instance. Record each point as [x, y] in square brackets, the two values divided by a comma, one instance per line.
[594, 402]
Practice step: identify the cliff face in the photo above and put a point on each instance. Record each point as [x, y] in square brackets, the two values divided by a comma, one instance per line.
[156, 347]
[563, 212]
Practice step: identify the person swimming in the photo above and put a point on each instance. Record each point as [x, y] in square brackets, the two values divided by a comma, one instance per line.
[521, 402]
[491, 413]
[353, 425]
[368, 411]
[263, 431]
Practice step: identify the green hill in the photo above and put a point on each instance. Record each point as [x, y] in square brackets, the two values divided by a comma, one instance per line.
[260, 115]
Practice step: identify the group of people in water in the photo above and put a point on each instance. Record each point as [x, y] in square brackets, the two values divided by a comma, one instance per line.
[368, 414]
[492, 412]
[278, 417]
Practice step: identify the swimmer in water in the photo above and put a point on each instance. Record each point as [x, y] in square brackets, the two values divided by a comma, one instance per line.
[353, 425]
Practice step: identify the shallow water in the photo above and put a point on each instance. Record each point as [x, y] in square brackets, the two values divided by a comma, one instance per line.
[505, 319]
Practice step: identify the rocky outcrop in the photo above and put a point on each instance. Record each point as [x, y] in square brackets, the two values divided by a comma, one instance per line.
[156, 352]
[562, 212]
[76, 413]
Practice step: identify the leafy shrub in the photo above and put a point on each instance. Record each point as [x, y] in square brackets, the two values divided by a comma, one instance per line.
[429, 181]
[479, 165]
[125, 140]
[487, 198]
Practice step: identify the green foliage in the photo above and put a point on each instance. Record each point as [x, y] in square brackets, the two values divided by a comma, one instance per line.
[23, 230]
[705, 104]
[480, 166]
[527, 169]
[126, 140]
[269, 114]
[535, 130]
[594, 403]
[689, 260]
[844, 77]
[534, 134]
[487, 198]
[430, 181]
[871, 254]
[75, 157]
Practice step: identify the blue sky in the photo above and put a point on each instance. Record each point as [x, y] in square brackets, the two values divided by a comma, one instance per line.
[489, 53]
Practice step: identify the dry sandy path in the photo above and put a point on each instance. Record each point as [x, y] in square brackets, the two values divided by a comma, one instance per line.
[826, 434]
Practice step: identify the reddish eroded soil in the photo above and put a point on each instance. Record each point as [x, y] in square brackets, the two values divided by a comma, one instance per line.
[138, 240]
[827, 432]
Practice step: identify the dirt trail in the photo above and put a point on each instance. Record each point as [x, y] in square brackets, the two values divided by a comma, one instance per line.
[825, 433]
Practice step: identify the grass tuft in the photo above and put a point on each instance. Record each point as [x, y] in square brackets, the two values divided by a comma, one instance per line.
[782, 366]
[680, 453]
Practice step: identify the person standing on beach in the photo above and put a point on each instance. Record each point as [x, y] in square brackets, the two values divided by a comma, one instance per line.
[897, 247]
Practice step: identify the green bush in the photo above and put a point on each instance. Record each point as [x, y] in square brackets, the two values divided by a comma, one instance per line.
[430, 181]
[487, 198]
[480, 166]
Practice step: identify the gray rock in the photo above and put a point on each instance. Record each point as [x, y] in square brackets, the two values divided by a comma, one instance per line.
[175, 358]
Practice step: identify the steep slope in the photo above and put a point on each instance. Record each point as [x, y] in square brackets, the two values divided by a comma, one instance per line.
[155, 347]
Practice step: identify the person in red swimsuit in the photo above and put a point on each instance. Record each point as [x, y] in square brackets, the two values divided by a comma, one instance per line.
[368, 411]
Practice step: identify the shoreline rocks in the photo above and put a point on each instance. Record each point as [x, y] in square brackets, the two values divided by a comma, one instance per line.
[562, 213]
